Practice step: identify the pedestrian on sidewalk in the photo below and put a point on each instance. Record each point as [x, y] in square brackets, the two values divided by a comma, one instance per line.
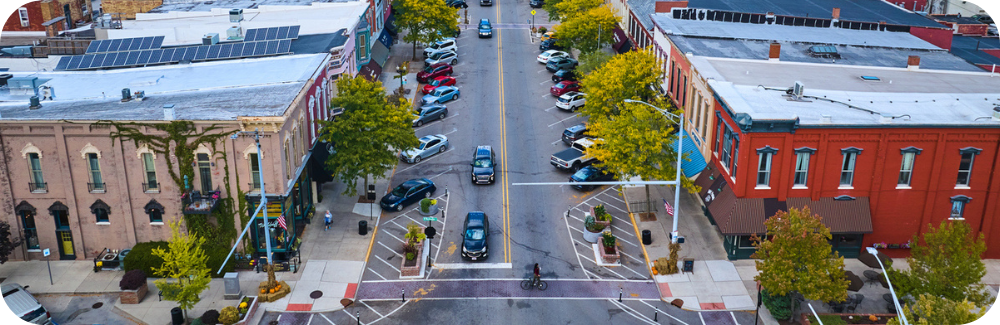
[327, 219]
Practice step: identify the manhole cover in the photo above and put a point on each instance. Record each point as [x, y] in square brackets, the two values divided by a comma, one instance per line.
[273, 322]
[316, 294]
[98, 305]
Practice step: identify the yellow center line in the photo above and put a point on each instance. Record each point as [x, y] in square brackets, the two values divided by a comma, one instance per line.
[503, 147]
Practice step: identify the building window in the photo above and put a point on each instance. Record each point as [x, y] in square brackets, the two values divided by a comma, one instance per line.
[147, 164]
[684, 93]
[906, 169]
[673, 77]
[736, 153]
[254, 172]
[726, 142]
[37, 180]
[847, 168]
[958, 203]
[96, 182]
[764, 168]
[101, 211]
[155, 211]
[288, 161]
[718, 133]
[802, 156]
[23, 12]
[205, 172]
[965, 166]
[27, 214]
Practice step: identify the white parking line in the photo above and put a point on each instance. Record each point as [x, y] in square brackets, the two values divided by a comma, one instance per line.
[394, 236]
[632, 312]
[387, 247]
[370, 307]
[376, 273]
[546, 95]
[327, 319]
[613, 197]
[609, 205]
[557, 141]
[634, 271]
[391, 312]
[441, 120]
[386, 263]
[310, 318]
[542, 70]
[399, 225]
[562, 120]
[702, 318]
[442, 173]
[668, 315]
[543, 82]
[549, 109]
[734, 318]
[570, 233]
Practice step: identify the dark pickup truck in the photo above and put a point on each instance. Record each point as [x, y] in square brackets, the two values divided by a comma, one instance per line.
[573, 158]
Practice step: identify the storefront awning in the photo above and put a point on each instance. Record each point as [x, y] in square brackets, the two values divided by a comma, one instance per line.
[385, 38]
[620, 37]
[842, 214]
[380, 52]
[693, 162]
[372, 70]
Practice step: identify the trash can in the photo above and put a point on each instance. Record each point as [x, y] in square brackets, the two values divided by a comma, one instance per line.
[647, 237]
[176, 316]
[362, 227]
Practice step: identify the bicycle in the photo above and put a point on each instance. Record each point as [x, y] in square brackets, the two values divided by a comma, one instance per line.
[530, 282]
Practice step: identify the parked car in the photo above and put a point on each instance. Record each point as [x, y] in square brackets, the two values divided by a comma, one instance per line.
[563, 75]
[547, 36]
[433, 71]
[485, 28]
[24, 305]
[536, 3]
[441, 95]
[562, 63]
[447, 44]
[442, 57]
[485, 2]
[483, 165]
[564, 87]
[429, 145]
[549, 44]
[430, 113]
[551, 54]
[573, 133]
[476, 235]
[590, 174]
[407, 193]
[574, 157]
[438, 82]
[457, 4]
[571, 101]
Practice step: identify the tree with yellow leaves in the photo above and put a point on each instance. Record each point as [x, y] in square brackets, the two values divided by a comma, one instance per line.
[425, 21]
[185, 262]
[587, 29]
[932, 310]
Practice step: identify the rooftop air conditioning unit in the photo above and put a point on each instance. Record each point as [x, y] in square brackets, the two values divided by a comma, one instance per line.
[210, 39]
[234, 33]
[235, 15]
[798, 89]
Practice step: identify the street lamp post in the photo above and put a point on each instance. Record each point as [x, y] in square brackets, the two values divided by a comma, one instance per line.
[680, 147]
[895, 299]
[262, 207]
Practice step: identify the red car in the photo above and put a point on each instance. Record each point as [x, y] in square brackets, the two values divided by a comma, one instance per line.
[564, 87]
[438, 82]
[434, 71]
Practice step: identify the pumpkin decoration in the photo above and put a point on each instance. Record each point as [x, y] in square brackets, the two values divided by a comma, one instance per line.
[262, 291]
[872, 318]
[271, 291]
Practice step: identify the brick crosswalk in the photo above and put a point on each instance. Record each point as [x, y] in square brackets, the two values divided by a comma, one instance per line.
[498, 288]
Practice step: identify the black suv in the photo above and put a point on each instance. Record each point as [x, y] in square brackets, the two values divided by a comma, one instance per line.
[483, 165]
[564, 75]
[536, 3]
[549, 44]
[475, 236]
[574, 133]
[590, 174]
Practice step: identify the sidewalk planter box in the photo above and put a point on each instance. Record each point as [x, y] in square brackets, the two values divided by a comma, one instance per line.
[610, 258]
[132, 297]
[881, 319]
[251, 309]
[607, 224]
[413, 270]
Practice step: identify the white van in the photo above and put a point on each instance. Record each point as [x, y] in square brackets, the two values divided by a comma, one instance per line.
[24, 305]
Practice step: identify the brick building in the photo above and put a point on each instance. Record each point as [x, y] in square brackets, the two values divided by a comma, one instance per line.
[48, 15]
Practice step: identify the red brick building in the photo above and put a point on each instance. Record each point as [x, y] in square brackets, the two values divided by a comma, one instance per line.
[32, 16]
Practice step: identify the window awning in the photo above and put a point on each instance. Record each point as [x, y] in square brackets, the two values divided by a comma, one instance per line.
[385, 38]
[380, 53]
[693, 162]
[372, 70]
[620, 37]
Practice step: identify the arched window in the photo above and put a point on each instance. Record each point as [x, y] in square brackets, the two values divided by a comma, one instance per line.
[155, 211]
[101, 210]
[27, 214]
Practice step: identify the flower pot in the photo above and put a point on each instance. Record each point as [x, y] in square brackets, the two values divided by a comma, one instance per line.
[431, 210]
[607, 224]
[251, 309]
[609, 257]
[132, 297]
[590, 237]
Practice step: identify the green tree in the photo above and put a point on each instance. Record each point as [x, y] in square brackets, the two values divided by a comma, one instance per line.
[368, 133]
[552, 7]
[185, 262]
[7, 245]
[947, 264]
[425, 21]
[932, 310]
[797, 258]
[569, 9]
[587, 30]
[624, 76]
[592, 61]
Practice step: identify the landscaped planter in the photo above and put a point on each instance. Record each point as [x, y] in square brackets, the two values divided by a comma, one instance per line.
[134, 296]
[607, 224]
[412, 267]
[251, 309]
[609, 258]
[589, 236]
[882, 319]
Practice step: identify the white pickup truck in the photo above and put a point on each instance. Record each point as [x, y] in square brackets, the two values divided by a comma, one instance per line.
[574, 157]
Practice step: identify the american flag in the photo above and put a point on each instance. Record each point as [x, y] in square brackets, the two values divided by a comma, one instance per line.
[670, 209]
[281, 222]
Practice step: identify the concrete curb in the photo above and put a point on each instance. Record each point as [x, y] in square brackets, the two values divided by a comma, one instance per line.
[128, 316]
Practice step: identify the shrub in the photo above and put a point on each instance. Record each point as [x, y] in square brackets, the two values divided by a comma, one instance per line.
[210, 317]
[608, 239]
[780, 306]
[216, 253]
[229, 315]
[410, 256]
[425, 204]
[141, 257]
[592, 225]
[132, 280]
[413, 233]
[542, 29]
[601, 213]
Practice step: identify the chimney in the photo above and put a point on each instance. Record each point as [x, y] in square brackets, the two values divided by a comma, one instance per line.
[775, 53]
[913, 62]
[661, 6]
[836, 13]
[168, 112]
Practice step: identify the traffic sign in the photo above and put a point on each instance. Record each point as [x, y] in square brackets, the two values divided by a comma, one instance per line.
[430, 219]
[45, 252]
[532, 12]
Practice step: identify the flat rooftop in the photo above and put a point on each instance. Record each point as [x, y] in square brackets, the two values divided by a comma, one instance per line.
[219, 90]
[872, 11]
[189, 27]
[971, 49]
[193, 5]
[929, 98]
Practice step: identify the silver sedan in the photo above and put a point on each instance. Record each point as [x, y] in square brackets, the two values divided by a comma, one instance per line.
[429, 145]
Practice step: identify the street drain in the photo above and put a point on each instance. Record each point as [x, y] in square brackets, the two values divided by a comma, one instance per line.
[97, 305]
[316, 294]
[273, 322]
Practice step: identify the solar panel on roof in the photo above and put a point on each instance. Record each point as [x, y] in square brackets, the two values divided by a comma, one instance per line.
[251, 34]
[178, 54]
[109, 61]
[282, 32]
[272, 33]
[293, 32]
[272, 48]
[157, 42]
[167, 55]
[132, 58]
[120, 59]
[93, 46]
[86, 61]
[74, 63]
[144, 57]
[225, 49]
[237, 50]
[102, 46]
[260, 48]
[63, 62]
[248, 48]
[98, 60]
[201, 53]
[147, 43]
[154, 56]
[190, 53]
[213, 51]
[284, 46]
[114, 45]
[135, 45]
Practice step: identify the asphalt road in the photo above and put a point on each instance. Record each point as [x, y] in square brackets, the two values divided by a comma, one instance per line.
[505, 103]
[80, 309]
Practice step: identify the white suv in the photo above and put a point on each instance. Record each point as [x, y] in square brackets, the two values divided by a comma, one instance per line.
[571, 101]
[443, 56]
[447, 44]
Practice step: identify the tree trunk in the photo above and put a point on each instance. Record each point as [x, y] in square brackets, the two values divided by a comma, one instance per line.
[365, 189]
[414, 50]
[649, 201]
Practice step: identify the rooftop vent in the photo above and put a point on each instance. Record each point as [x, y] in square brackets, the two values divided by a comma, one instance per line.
[35, 103]
[824, 51]
[126, 95]
[798, 89]
[826, 119]
[235, 15]
[234, 33]
[870, 78]
[168, 112]
[996, 113]
[210, 39]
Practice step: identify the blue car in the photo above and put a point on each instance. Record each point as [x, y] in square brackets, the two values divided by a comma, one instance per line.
[407, 193]
[485, 29]
[441, 95]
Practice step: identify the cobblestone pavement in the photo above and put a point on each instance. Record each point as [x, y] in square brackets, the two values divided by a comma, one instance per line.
[494, 288]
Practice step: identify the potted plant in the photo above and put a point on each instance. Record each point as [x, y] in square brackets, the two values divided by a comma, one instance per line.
[134, 287]
[541, 31]
[412, 250]
[609, 248]
[601, 214]
[594, 229]
[428, 206]
[229, 315]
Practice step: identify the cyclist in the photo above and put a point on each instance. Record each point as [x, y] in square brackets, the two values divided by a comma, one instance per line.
[328, 219]
[538, 275]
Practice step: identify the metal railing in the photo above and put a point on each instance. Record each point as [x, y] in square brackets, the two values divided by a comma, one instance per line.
[95, 187]
[38, 187]
[641, 206]
[151, 187]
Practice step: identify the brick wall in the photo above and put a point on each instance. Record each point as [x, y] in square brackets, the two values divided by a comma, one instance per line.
[129, 7]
